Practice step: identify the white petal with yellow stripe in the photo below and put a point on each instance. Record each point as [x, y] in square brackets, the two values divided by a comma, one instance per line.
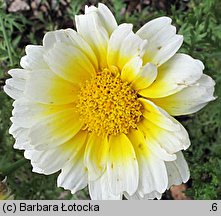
[190, 99]
[122, 166]
[123, 46]
[176, 74]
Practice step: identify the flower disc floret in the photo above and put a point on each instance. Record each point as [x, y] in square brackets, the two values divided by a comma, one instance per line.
[107, 105]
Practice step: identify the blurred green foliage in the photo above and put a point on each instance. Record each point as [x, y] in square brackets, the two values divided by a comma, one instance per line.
[200, 23]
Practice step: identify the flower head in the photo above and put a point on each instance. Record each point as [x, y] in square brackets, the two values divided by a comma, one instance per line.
[97, 104]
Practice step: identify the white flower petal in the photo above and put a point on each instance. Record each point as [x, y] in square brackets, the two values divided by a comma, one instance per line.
[153, 195]
[33, 60]
[36, 169]
[67, 36]
[14, 86]
[159, 151]
[96, 163]
[100, 190]
[145, 77]
[73, 175]
[123, 46]
[48, 161]
[163, 42]
[26, 113]
[150, 29]
[155, 146]
[168, 50]
[90, 28]
[105, 16]
[131, 69]
[190, 99]
[149, 196]
[176, 74]
[162, 129]
[158, 116]
[152, 170]
[171, 141]
[46, 87]
[72, 39]
[51, 160]
[178, 171]
[55, 129]
[51, 37]
[122, 167]
[70, 63]
[20, 134]
[156, 176]
[19, 73]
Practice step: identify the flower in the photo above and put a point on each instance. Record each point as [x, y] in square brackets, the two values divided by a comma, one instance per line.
[97, 104]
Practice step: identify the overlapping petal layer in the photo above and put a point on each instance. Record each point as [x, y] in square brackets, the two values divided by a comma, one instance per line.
[176, 74]
[123, 46]
[190, 99]
[163, 42]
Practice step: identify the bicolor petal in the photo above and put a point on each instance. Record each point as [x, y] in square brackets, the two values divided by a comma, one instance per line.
[96, 162]
[190, 99]
[153, 175]
[123, 46]
[122, 166]
[90, 28]
[176, 74]
[163, 42]
[55, 129]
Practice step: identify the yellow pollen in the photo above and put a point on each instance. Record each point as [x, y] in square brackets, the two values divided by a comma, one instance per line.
[107, 105]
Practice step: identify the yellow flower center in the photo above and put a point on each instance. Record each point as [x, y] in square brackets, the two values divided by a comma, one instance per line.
[107, 105]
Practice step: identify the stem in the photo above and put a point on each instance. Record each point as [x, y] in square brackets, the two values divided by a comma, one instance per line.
[6, 41]
[11, 168]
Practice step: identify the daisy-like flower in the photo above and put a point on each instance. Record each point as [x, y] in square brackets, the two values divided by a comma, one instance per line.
[97, 104]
